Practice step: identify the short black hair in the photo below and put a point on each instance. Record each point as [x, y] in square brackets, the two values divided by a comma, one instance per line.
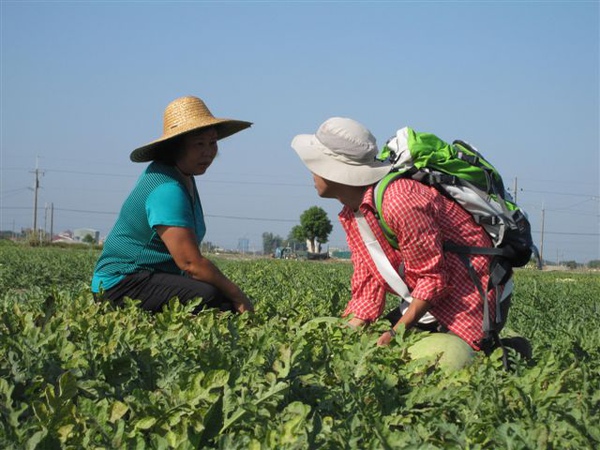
[169, 151]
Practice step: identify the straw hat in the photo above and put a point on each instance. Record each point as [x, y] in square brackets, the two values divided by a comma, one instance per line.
[181, 116]
[343, 151]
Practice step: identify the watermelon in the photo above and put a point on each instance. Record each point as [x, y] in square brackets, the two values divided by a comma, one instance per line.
[453, 352]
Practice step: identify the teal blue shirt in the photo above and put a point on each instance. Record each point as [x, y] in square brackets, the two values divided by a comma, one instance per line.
[158, 198]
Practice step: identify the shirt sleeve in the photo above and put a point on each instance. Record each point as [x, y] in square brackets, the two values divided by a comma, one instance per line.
[368, 295]
[169, 205]
[412, 216]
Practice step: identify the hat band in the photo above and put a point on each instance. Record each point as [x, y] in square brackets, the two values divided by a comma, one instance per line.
[345, 159]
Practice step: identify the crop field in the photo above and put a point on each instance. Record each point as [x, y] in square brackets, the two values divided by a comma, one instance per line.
[79, 374]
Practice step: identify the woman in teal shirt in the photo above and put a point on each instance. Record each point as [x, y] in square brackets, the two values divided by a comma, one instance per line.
[152, 253]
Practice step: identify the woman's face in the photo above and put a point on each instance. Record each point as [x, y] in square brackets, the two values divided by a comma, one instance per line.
[198, 152]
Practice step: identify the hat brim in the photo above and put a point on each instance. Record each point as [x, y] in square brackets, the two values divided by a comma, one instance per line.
[313, 155]
[224, 127]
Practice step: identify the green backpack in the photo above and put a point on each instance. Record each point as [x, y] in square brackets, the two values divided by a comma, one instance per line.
[461, 173]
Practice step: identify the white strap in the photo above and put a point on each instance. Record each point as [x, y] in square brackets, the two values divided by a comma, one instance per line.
[384, 266]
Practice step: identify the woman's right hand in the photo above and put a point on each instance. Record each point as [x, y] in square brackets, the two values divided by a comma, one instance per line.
[242, 303]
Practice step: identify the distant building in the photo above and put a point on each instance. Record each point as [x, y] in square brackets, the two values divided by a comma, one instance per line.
[65, 236]
[243, 245]
[80, 234]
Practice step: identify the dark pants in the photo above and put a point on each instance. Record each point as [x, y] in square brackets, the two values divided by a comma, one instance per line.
[395, 314]
[156, 289]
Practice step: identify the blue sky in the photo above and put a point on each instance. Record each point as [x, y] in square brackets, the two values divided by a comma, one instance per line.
[84, 83]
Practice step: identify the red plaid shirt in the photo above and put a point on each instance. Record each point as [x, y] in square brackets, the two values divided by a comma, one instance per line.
[422, 219]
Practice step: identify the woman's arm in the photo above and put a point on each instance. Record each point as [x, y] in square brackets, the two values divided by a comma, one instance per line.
[183, 247]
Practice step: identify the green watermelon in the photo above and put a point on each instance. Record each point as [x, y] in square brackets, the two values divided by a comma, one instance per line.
[454, 353]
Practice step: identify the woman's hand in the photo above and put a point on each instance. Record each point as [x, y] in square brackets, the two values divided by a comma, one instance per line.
[386, 337]
[182, 245]
[242, 303]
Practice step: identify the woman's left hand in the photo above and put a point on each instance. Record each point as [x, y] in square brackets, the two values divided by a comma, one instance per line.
[183, 247]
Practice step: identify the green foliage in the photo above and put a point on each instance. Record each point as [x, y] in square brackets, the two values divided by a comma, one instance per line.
[594, 264]
[296, 238]
[314, 227]
[271, 242]
[79, 374]
[88, 239]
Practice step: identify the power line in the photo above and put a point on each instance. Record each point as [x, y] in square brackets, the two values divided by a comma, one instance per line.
[113, 213]
[259, 219]
[91, 173]
[77, 172]
[592, 197]
[14, 192]
[573, 213]
[564, 233]
[264, 183]
[554, 182]
[257, 183]
[252, 218]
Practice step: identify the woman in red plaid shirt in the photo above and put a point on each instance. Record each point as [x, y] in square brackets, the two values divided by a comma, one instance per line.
[342, 158]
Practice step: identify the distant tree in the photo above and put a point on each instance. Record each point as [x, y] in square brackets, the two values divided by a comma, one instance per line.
[594, 264]
[296, 239]
[571, 264]
[314, 228]
[88, 239]
[271, 242]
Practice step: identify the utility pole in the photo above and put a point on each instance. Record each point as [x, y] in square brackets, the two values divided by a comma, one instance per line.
[36, 187]
[542, 238]
[51, 221]
[45, 220]
[515, 190]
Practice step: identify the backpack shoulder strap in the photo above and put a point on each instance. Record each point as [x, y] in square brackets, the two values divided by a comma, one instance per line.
[378, 192]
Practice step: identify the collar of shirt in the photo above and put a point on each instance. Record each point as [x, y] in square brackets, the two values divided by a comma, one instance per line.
[367, 204]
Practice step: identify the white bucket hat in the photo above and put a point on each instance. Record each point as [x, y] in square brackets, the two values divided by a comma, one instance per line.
[343, 151]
